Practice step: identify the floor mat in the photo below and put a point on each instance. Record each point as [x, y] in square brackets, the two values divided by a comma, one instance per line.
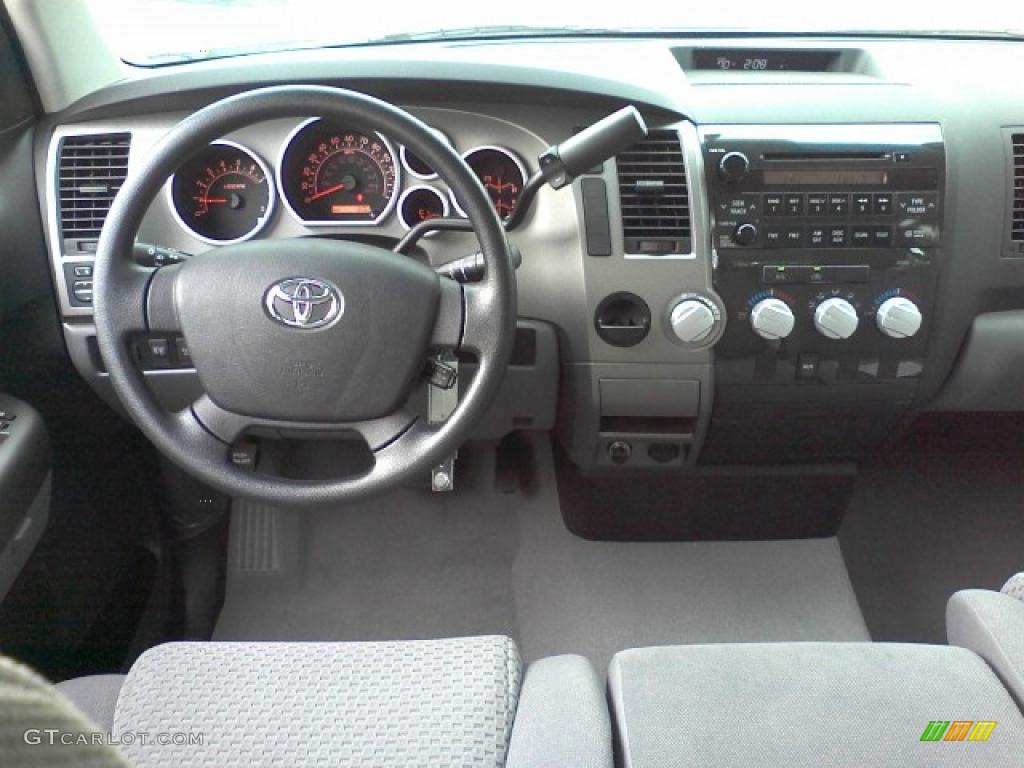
[421, 565]
[922, 526]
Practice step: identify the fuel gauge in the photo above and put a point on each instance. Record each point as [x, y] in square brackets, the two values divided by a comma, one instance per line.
[419, 204]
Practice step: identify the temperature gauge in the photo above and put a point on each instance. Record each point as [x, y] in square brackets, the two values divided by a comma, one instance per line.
[502, 175]
[222, 195]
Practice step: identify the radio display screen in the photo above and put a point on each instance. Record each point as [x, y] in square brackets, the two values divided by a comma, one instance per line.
[827, 178]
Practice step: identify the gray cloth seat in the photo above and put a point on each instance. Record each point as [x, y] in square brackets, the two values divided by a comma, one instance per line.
[809, 704]
[379, 704]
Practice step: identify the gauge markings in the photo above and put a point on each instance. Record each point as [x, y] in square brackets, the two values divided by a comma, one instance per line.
[333, 176]
[222, 195]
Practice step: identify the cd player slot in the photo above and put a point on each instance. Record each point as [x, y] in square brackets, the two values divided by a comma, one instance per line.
[817, 157]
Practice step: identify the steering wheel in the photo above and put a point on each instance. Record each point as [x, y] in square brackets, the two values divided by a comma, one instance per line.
[306, 334]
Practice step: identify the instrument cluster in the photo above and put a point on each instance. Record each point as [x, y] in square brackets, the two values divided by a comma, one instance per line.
[326, 176]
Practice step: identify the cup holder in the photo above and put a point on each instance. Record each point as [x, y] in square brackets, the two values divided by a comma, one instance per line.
[623, 319]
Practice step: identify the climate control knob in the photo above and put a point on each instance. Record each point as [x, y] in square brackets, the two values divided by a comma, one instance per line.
[836, 319]
[733, 166]
[898, 318]
[772, 319]
[693, 320]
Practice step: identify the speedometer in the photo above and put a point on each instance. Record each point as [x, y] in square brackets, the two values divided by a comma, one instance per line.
[336, 176]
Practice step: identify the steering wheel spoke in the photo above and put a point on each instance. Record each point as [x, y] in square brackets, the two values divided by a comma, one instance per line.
[480, 315]
[381, 433]
[161, 308]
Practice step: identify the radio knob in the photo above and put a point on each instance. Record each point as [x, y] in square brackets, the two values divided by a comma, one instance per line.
[898, 318]
[733, 166]
[836, 319]
[693, 320]
[745, 234]
[772, 319]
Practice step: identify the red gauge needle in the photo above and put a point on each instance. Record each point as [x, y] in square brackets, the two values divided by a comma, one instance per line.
[326, 192]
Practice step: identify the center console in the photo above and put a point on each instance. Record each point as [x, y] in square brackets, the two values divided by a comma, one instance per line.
[827, 246]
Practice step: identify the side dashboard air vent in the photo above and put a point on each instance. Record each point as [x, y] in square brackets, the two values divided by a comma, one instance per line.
[654, 196]
[90, 171]
[1017, 220]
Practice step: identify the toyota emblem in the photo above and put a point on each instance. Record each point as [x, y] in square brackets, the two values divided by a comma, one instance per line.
[303, 302]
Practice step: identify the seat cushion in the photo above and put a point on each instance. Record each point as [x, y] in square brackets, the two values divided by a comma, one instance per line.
[808, 704]
[96, 696]
[424, 703]
[40, 728]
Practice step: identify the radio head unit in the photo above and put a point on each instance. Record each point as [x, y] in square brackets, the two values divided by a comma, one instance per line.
[825, 187]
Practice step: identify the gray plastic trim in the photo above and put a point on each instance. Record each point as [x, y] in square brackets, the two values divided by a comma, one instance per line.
[990, 369]
[17, 551]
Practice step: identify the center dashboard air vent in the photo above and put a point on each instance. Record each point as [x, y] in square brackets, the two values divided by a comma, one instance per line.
[91, 170]
[1017, 209]
[654, 196]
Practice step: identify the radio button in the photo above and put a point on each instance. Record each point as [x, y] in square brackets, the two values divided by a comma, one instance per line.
[861, 237]
[794, 237]
[883, 204]
[919, 204]
[739, 206]
[919, 235]
[773, 205]
[837, 237]
[817, 204]
[882, 237]
[775, 237]
[862, 204]
[794, 205]
[817, 236]
[838, 205]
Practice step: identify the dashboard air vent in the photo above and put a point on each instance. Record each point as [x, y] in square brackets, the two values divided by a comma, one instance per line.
[91, 170]
[1017, 222]
[654, 196]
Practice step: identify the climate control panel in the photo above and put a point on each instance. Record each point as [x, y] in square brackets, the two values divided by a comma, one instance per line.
[827, 242]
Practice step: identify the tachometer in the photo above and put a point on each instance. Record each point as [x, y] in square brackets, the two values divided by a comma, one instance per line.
[222, 195]
[335, 176]
[502, 175]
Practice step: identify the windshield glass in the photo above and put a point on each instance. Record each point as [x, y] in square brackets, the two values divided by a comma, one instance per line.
[152, 32]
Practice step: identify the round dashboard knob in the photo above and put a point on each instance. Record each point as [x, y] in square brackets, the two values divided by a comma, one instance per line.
[733, 166]
[745, 234]
[693, 320]
[836, 319]
[898, 318]
[772, 319]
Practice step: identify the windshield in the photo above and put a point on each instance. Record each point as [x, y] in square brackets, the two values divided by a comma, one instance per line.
[152, 32]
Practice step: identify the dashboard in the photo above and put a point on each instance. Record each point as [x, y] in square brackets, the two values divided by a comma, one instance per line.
[809, 248]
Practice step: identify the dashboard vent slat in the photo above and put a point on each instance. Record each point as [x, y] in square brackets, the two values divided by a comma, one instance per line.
[1017, 220]
[90, 172]
[654, 195]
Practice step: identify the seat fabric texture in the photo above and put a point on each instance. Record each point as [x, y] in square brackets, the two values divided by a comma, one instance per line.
[371, 705]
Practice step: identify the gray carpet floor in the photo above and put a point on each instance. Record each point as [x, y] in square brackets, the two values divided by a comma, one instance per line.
[922, 526]
[421, 565]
